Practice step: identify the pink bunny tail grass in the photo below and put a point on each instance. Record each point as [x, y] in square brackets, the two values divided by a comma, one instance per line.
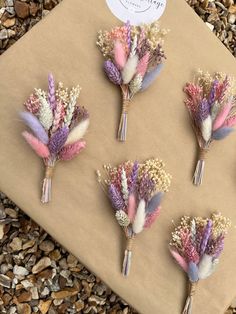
[131, 207]
[119, 54]
[127, 258]
[180, 260]
[189, 302]
[47, 181]
[143, 64]
[40, 148]
[220, 119]
[150, 219]
[71, 150]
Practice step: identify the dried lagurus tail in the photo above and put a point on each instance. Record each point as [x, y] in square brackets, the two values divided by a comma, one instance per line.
[57, 124]
[196, 245]
[135, 191]
[133, 59]
[211, 102]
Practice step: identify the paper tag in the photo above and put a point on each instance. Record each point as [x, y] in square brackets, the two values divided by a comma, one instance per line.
[137, 11]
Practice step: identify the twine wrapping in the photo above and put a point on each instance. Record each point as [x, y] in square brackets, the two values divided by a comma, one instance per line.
[202, 153]
[49, 172]
[189, 301]
[122, 131]
[127, 257]
[129, 244]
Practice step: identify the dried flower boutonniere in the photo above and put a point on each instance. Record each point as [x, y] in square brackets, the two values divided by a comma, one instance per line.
[134, 58]
[58, 125]
[196, 245]
[135, 191]
[211, 102]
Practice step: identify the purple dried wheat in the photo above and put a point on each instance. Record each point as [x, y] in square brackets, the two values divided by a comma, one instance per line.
[203, 110]
[112, 72]
[212, 94]
[116, 198]
[206, 236]
[58, 140]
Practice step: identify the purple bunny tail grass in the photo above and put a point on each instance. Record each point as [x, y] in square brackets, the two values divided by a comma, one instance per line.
[151, 76]
[204, 110]
[33, 123]
[128, 27]
[47, 181]
[116, 198]
[134, 176]
[112, 72]
[58, 140]
[206, 236]
[51, 91]
[221, 133]
[219, 246]
[189, 302]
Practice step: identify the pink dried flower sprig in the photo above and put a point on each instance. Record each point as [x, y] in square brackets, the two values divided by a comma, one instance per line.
[211, 102]
[196, 245]
[134, 58]
[58, 124]
[135, 191]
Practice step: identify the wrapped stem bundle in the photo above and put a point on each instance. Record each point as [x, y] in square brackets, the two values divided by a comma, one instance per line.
[58, 125]
[196, 245]
[135, 191]
[211, 102]
[133, 59]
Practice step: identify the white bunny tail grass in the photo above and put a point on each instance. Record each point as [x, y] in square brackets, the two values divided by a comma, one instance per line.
[78, 132]
[129, 69]
[139, 219]
[127, 258]
[122, 131]
[47, 182]
[199, 171]
[188, 305]
[206, 128]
